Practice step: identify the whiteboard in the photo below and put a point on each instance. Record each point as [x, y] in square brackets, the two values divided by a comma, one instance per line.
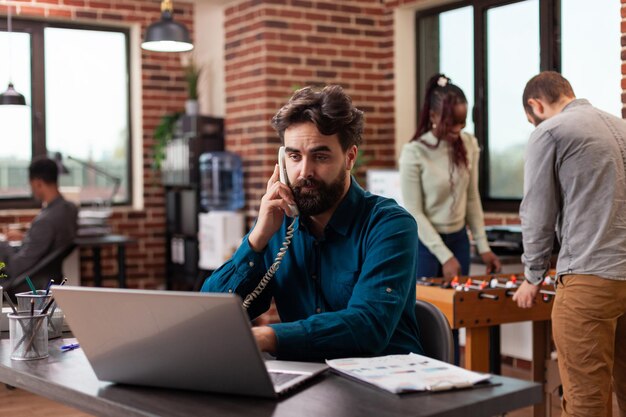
[384, 182]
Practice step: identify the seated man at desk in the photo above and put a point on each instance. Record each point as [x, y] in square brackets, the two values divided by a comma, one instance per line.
[54, 227]
[346, 284]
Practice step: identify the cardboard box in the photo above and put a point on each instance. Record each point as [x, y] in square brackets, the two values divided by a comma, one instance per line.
[219, 236]
[551, 388]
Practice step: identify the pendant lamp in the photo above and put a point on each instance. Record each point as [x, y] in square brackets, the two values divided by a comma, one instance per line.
[11, 97]
[167, 35]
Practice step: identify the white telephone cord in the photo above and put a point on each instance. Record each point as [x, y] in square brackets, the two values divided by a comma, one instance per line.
[272, 270]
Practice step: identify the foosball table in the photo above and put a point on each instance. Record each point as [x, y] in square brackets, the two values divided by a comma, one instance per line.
[478, 303]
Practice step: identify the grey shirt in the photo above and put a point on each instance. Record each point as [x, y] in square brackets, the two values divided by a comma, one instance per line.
[575, 183]
[53, 228]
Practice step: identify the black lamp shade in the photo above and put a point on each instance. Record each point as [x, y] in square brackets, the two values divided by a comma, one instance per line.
[167, 36]
[12, 97]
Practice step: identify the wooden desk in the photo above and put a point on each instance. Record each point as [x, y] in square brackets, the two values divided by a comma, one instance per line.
[69, 379]
[96, 243]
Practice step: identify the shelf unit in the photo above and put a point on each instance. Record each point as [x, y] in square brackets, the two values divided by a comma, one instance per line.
[193, 136]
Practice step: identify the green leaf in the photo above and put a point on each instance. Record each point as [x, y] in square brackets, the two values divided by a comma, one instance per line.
[163, 133]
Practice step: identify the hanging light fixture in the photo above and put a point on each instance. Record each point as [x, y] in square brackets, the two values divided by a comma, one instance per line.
[167, 35]
[11, 97]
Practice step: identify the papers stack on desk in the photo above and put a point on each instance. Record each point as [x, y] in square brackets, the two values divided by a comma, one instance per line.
[407, 373]
[94, 221]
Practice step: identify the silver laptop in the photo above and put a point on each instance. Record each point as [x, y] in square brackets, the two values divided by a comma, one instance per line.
[196, 341]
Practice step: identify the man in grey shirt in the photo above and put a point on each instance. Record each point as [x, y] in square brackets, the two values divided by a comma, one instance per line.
[575, 183]
[53, 228]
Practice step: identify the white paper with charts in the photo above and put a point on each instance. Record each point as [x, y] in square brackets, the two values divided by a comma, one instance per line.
[406, 373]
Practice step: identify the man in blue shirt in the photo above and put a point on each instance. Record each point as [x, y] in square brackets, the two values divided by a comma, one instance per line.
[346, 284]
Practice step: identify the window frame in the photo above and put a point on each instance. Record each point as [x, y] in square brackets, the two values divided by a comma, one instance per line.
[38, 126]
[550, 59]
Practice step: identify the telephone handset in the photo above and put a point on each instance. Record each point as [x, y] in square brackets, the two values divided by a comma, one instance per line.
[288, 236]
[282, 171]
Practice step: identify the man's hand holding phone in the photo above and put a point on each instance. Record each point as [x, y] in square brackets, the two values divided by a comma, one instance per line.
[274, 205]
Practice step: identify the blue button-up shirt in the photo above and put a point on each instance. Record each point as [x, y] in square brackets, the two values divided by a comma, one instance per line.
[350, 293]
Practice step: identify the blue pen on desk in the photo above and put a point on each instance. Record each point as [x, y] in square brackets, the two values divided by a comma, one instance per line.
[71, 346]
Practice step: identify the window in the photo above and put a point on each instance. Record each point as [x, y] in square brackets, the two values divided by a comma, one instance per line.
[491, 48]
[79, 109]
[512, 59]
[15, 122]
[590, 57]
[447, 52]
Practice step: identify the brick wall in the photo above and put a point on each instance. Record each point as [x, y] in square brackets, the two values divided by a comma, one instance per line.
[275, 46]
[163, 91]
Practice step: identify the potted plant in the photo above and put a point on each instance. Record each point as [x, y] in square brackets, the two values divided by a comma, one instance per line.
[163, 133]
[191, 72]
[358, 169]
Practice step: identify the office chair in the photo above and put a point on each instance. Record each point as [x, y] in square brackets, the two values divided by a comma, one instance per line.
[435, 332]
[48, 267]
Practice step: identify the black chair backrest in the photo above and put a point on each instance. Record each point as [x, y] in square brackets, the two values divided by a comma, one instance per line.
[435, 333]
[53, 259]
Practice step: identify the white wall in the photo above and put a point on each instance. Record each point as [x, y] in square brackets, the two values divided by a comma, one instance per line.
[209, 52]
[137, 115]
[405, 70]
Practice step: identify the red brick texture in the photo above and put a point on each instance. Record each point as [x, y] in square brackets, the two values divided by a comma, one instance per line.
[275, 46]
[163, 91]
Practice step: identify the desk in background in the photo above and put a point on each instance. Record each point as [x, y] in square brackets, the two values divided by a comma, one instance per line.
[96, 243]
[69, 379]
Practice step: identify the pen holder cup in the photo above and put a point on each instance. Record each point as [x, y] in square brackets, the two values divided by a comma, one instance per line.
[29, 336]
[55, 321]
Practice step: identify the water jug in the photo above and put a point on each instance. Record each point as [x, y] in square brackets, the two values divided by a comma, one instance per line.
[221, 181]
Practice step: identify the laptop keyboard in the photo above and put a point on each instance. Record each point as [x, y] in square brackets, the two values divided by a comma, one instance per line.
[279, 378]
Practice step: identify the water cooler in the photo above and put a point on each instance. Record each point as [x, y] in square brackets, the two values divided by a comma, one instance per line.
[221, 225]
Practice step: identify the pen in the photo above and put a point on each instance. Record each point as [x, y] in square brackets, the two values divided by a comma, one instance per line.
[30, 285]
[8, 298]
[71, 346]
[48, 287]
[47, 306]
[32, 307]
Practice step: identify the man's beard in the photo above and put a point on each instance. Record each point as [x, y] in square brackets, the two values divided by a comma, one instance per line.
[321, 198]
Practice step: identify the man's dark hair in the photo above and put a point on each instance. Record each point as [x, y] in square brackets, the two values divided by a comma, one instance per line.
[44, 169]
[547, 85]
[330, 109]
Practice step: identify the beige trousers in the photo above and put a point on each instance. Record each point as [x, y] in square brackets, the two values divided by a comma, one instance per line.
[589, 328]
